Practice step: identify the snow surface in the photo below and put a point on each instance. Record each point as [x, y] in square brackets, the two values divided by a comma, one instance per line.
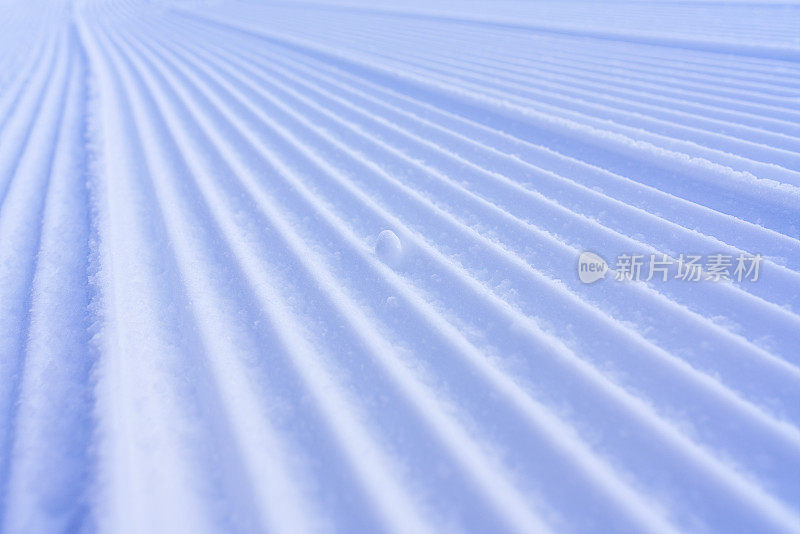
[292, 267]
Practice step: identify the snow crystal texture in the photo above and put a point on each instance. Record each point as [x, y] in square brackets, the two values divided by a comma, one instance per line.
[273, 266]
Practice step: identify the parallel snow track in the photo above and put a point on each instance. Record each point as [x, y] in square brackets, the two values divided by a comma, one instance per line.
[196, 334]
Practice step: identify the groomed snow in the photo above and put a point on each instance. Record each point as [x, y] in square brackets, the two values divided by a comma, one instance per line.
[271, 266]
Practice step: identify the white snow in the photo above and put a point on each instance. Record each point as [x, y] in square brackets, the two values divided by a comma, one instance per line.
[388, 247]
[272, 266]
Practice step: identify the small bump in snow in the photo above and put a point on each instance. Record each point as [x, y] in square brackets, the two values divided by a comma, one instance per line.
[388, 248]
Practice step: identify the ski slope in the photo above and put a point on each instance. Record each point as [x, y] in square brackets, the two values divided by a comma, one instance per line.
[201, 330]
